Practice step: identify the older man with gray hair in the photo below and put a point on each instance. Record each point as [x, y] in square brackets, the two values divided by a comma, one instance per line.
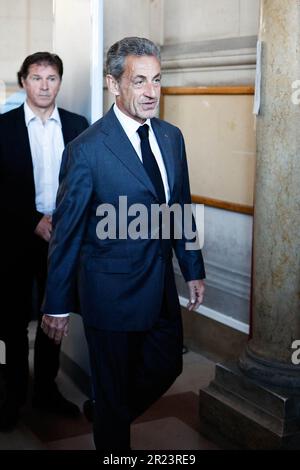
[128, 296]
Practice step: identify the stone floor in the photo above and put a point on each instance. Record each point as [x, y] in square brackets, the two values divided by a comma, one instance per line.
[170, 424]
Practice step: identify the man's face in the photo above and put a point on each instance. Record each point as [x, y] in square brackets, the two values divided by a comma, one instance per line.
[138, 90]
[41, 85]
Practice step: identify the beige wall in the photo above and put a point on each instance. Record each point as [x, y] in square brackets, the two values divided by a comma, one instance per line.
[75, 50]
[191, 34]
[176, 21]
[25, 27]
[198, 20]
[130, 18]
[63, 26]
[220, 143]
[125, 18]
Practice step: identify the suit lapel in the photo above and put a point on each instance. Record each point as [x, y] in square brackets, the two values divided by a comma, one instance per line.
[22, 133]
[118, 142]
[165, 145]
[66, 129]
[22, 141]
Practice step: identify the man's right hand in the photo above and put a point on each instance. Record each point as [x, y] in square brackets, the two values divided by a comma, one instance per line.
[55, 327]
[44, 228]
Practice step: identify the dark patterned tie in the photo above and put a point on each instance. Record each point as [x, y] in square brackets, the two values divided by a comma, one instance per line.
[150, 163]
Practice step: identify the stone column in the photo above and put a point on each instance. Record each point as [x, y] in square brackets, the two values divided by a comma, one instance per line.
[276, 284]
[256, 402]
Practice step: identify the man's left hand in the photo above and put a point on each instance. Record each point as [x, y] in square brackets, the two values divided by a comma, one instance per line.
[196, 289]
[55, 327]
[44, 228]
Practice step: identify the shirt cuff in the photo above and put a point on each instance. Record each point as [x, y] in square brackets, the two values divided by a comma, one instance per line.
[58, 314]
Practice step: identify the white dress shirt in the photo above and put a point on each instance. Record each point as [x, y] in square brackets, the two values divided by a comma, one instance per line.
[130, 127]
[46, 145]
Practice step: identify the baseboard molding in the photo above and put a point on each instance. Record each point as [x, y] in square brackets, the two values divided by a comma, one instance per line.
[211, 338]
[218, 316]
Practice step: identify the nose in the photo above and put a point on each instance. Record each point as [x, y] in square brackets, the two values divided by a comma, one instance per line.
[150, 90]
[44, 84]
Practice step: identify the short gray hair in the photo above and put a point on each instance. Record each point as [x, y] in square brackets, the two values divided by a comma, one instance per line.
[118, 52]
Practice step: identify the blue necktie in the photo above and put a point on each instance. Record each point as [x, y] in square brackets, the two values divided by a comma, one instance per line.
[150, 163]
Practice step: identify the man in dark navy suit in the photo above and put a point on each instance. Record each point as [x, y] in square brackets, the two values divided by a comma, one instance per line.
[127, 291]
[32, 140]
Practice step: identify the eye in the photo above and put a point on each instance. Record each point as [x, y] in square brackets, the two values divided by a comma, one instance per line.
[138, 83]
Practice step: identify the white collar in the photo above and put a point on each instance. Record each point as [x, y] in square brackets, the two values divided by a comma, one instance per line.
[29, 114]
[129, 125]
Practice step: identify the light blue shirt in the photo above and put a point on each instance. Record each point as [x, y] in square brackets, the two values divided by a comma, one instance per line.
[46, 145]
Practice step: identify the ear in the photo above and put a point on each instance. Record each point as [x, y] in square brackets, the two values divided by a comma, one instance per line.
[112, 85]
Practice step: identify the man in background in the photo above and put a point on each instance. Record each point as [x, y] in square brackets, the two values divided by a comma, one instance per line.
[32, 140]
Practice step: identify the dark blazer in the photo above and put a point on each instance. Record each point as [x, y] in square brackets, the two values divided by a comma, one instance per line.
[17, 190]
[121, 281]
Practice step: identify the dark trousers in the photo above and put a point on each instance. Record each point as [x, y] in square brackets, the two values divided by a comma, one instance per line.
[130, 371]
[23, 273]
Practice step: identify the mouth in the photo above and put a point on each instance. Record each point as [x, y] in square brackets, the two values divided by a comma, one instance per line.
[149, 105]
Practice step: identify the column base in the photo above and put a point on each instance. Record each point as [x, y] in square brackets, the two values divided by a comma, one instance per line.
[239, 412]
[269, 372]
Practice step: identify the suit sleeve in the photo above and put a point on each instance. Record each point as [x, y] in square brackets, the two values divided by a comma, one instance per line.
[190, 261]
[69, 223]
[17, 204]
[37, 216]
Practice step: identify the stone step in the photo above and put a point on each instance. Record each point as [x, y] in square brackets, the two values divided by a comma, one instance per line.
[278, 402]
